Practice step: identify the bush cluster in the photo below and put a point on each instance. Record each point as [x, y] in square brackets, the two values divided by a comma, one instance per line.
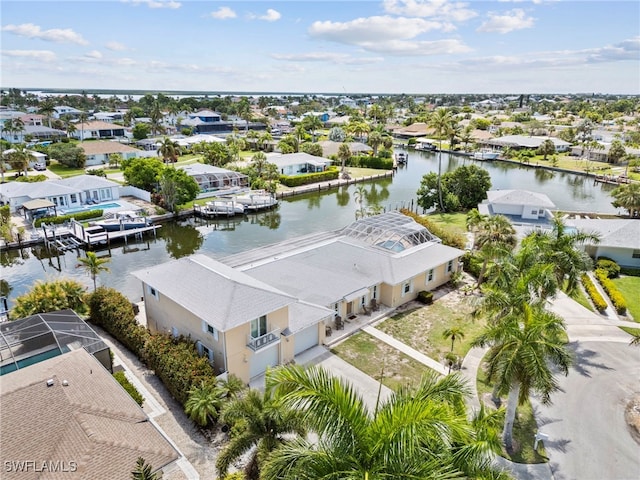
[614, 294]
[425, 297]
[365, 161]
[448, 238]
[331, 173]
[631, 272]
[176, 361]
[85, 215]
[471, 264]
[594, 294]
[608, 265]
[128, 386]
[32, 178]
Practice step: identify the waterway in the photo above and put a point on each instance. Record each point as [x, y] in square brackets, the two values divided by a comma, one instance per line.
[319, 211]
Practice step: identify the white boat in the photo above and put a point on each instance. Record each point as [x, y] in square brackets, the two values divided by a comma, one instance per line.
[223, 208]
[256, 200]
[401, 158]
[485, 155]
[125, 220]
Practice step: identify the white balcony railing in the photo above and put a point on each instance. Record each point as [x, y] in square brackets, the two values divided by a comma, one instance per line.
[256, 343]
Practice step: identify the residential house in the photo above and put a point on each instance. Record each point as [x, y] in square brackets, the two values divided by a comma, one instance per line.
[619, 239]
[207, 121]
[517, 204]
[65, 111]
[97, 129]
[523, 141]
[68, 193]
[38, 159]
[98, 151]
[298, 163]
[67, 417]
[330, 148]
[210, 178]
[263, 307]
[600, 153]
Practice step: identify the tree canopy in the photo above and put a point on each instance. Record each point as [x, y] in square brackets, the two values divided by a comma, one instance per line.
[143, 173]
[462, 189]
[67, 154]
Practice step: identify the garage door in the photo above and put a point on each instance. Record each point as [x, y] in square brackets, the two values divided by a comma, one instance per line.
[305, 339]
[263, 359]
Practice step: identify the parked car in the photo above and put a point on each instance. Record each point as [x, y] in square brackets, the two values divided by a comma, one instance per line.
[39, 167]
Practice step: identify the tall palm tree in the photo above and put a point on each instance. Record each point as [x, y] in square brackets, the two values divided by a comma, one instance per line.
[494, 237]
[20, 158]
[204, 403]
[313, 124]
[560, 248]
[82, 116]
[47, 109]
[374, 141]
[440, 121]
[454, 333]
[419, 432]
[628, 197]
[169, 150]
[94, 265]
[344, 154]
[264, 424]
[521, 356]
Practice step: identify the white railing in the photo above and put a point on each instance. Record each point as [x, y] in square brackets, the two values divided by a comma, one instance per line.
[264, 340]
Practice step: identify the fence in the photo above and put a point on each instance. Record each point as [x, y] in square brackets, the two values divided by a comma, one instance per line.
[130, 191]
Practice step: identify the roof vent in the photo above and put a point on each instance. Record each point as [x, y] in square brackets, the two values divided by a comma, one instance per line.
[50, 382]
[65, 383]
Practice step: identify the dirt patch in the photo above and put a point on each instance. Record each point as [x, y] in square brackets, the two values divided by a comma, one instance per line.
[632, 416]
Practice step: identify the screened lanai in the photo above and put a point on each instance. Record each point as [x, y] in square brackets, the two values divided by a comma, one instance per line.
[391, 230]
[46, 335]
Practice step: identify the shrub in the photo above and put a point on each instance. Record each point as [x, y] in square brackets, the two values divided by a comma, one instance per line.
[331, 173]
[425, 297]
[32, 178]
[614, 294]
[129, 387]
[84, 215]
[471, 264]
[608, 265]
[365, 161]
[448, 238]
[598, 302]
[632, 272]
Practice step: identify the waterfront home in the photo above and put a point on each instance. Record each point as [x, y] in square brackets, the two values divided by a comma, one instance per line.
[517, 205]
[98, 152]
[97, 129]
[206, 121]
[264, 307]
[211, 179]
[600, 153]
[298, 163]
[619, 239]
[67, 417]
[68, 193]
[519, 142]
[331, 148]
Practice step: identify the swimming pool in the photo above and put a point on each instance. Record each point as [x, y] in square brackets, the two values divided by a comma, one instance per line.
[102, 206]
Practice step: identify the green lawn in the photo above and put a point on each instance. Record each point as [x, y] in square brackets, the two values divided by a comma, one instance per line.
[456, 222]
[376, 358]
[65, 171]
[630, 288]
[581, 297]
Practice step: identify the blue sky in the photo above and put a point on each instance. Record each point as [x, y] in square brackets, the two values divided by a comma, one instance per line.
[388, 46]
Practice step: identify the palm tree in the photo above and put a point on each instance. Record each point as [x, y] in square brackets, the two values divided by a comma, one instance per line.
[628, 197]
[547, 148]
[265, 138]
[93, 265]
[374, 141]
[168, 150]
[204, 402]
[454, 333]
[440, 122]
[83, 118]
[559, 247]
[142, 471]
[344, 154]
[312, 123]
[264, 425]
[494, 236]
[521, 356]
[419, 432]
[20, 158]
[47, 109]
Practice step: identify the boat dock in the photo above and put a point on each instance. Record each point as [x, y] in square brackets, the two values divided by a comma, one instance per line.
[75, 235]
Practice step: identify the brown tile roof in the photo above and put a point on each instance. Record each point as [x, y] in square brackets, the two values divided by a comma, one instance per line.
[92, 421]
[97, 147]
[97, 125]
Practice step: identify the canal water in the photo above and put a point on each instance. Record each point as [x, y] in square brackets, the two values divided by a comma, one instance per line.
[314, 212]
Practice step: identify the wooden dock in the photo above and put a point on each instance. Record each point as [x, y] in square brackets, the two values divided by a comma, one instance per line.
[75, 235]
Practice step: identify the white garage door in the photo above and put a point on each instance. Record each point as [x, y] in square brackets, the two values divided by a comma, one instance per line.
[305, 339]
[263, 359]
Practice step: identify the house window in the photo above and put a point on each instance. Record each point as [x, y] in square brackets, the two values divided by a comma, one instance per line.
[407, 288]
[636, 254]
[430, 276]
[335, 310]
[534, 212]
[74, 199]
[259, 326]
[375, 292]
[450, 266]
[153, 292]
[212, 331]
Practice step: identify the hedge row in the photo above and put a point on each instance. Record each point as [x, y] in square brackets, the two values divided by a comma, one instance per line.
[448, 238]
[614, 294]
[331, 173]
[176, 361]
[365, 161]
[594, 294]
[632, 272]
[122, 379]
[84, 215]
[611, 267]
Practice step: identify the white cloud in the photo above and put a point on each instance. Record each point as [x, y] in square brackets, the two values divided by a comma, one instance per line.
[454, 11]
[223, 13]
[337, 58]
[515, 19]
[155, 3]
[58, 35]
[271, 15]
[40, 55]
[625, 50]
[93, 54]
[115, 46]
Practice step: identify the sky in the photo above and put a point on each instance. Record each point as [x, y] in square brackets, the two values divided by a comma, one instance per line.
[307, 46]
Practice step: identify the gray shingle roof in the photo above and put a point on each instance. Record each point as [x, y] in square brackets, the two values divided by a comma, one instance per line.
[621, 233]
[218, 294]
[49, 188]
[519, 197]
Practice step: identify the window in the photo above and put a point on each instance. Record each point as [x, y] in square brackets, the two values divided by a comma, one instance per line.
[213, 332]
[430, 276]
[407, 288]
[636, 254]
[335, 310]
[153, 292]
[534, 212]
[450, 266]
[259, 327]
[375, 292]
[74, 199]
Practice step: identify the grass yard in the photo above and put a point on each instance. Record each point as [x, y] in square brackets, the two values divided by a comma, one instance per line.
[422, 326]
[455, 222]
[373, 356]
[524, 428]
[581, 297]
[629, 288]
[65, 171]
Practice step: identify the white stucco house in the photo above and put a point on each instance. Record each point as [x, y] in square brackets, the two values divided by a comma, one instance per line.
[298, 163]
[521, 204]
[619, 239]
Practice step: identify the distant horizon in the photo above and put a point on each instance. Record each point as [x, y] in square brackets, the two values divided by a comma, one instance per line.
[308, 46]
